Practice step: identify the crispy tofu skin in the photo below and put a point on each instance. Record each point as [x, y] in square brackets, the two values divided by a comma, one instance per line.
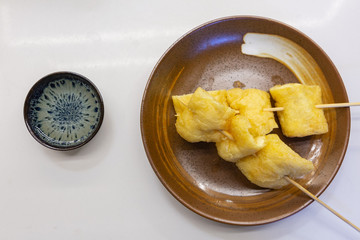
[300, 117]
[181, 101]
[250, 103]
[267, 167]
[244, 143]
[201, 115]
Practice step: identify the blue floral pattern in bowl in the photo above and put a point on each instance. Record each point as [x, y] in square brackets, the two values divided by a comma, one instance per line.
[63, 111]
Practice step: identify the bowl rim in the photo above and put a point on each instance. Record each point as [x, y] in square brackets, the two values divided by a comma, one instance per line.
[162, 179]
[46, 78]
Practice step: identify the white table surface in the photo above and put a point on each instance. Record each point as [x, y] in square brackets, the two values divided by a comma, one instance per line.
[107, 189]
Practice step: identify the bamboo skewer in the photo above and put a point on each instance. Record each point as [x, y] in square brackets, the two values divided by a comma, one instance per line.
[275, 109]
[321, 202]
[336, 105]
[227, 134]
[328, 105]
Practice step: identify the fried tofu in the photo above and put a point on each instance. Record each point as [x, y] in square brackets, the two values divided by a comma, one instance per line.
[300, 117]
[243, 143]
[250, 103]
[202, 115]
[267, 167]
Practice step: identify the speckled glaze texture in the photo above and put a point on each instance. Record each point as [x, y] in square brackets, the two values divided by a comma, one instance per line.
[210, 57]
[63, 111]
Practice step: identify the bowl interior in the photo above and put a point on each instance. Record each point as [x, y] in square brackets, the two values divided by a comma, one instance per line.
[63, 110]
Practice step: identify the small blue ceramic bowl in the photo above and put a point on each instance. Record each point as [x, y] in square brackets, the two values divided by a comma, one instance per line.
[63, 111]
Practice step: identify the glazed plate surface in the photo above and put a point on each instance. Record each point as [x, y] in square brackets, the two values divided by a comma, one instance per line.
[210, 57]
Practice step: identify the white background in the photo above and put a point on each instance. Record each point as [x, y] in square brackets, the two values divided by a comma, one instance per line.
[107, 189]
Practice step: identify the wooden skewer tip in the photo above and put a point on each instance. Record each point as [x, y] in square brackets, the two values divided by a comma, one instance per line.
[321, 106]
[321, 202]
[227, 134]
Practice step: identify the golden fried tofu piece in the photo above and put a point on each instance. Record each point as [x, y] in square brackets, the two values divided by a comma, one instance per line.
[201, 115]
[267, 167]
[181, 101]
[250, 103]
[300, 117]
[244, 142]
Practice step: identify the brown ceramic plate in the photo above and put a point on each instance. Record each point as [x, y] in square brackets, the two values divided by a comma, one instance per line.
[209, 56]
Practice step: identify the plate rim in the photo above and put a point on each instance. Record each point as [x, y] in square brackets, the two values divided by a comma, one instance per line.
[172, 191]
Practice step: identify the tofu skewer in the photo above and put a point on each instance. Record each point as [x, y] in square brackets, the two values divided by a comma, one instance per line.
[275, 165]
[267, 163]
[293, 56]
[304, 190]
[299, 117]
[300, 109]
